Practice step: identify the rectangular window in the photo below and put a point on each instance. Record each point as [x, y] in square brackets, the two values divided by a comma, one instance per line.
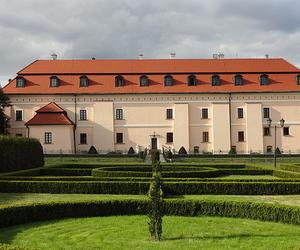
[269, 149]
[267, 131]
[82, 115]
[83, 138]
[205, 137]
[19, 115]
[286, 131]
[266, 112]
[241, 136]
[205, 113]
[240, 113]
[48, 138]
[169, 137]
[119, 114]
[169, 113]
[19, 135]
[119, 137]
[196, 150]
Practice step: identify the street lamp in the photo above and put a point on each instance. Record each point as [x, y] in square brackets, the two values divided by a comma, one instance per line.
[269, 122]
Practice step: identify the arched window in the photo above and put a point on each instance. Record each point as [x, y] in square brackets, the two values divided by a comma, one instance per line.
[215, 80]
[264, 79]
[84, 81]
[20, 82]
[54, 81]
[144, 81]
[298, 79]
[168, 80]
[192, 80]
[238, 80]
[119, 81]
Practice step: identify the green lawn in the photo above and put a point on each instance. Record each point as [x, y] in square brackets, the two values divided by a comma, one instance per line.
[27, 198]
[131, 232]
[251, 177]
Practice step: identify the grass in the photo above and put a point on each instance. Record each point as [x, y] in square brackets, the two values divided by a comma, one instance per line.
[131, 232]
[12, 199]
[248, 177]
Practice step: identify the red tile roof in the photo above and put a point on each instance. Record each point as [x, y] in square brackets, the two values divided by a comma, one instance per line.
[51, 114]
[101, 75]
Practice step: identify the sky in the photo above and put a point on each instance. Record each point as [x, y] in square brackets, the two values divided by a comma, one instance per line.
[82, 29]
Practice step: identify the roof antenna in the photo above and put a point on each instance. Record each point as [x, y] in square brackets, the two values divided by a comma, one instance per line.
[172, 55]
[54, 56]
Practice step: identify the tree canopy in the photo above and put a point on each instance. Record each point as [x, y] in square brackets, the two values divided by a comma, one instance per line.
[4, 102]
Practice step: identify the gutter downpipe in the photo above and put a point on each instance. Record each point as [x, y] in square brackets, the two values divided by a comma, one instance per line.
[230, 132]
[75, 125]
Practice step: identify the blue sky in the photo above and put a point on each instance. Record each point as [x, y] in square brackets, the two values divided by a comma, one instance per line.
[34, 29]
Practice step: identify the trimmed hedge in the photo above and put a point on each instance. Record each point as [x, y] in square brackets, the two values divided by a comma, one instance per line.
[66, 172]
[46, 211]
[285, 174]
[169, 188]
[18, 153]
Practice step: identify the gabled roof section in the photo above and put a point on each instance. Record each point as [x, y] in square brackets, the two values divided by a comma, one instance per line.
[157, 66]
[51, 114]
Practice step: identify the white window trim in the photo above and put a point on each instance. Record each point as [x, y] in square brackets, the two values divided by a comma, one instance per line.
[208, 114]
[86, 114]
[237, 113]
[51, 138]
[122, 114]
[270, 112]
[22, 115]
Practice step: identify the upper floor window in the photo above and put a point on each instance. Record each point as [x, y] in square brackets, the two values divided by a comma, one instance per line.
[191, 80]
[264, 79]
[54, 82]
[215, 80]
[240, 113]
[169, 137]
[84, 81]
[48, 138]
[266, 112]
[168, 80]
[298, 79]
[238, 80]
[20, 82]
[169, 113]
[19, 115]
[144, 81]
[83, 115]
[204, 114]
[119, 114]
[119, 81]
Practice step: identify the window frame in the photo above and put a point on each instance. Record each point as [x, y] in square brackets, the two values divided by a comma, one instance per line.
[16, 116]
[262, 78]
[146, 79]
[205, 136]
[48, 138]
[190, 79]
[22, 80]
[169, 114]
[207, 114]
[119, 138]
[171, 80]
[269, 113]
[238, 113]
[83, 138]
[286, 129]
[169, 137]
[82, 79]
[298, 79]
[119, 81]
[215, 80]
[119, 114]
[241, 79]
[82, 115]
[56, 82]
[267, 129]
[241, 136]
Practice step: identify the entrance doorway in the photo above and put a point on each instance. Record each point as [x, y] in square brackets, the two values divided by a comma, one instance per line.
[154, 143]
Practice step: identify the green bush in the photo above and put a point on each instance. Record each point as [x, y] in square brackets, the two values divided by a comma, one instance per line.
[92, 151]
[131, 151]
[182, 151]
[18, 153]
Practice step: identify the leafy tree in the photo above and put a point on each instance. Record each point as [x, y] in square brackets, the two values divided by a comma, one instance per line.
[156, 199]
[4, 102]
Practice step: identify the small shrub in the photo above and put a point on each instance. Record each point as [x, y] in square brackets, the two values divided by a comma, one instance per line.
[92, 151]
[169, 154]
[182, 151]
[141, 154]
[131, 151]
[232, 151]
[278, 152]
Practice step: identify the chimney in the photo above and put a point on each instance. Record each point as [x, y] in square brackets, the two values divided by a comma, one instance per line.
[93, 58]
[267, 56]
[54, 56]
[141, 56]
[172, 55]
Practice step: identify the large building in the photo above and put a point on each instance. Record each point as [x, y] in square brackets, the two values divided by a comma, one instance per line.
[203, 105]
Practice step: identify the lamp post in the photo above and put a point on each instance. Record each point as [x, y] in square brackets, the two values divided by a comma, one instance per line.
[281, 122]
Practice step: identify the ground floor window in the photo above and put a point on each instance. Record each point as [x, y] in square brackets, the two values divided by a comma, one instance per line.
[169, 137]
[196, 150]
[286, 131]
[269, 149]
[19, 135]
[205, 137]
[267, 131]
[119, 138]
[48, 138]
[241, 136]
[83, 138]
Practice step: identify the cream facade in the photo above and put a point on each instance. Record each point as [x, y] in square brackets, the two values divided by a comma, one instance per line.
[204, 123]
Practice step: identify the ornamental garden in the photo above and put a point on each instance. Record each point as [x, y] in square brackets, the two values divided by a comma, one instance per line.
[104, 202]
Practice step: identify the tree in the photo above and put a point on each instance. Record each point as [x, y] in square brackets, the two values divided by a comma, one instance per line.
[4, 102]
[156, 199]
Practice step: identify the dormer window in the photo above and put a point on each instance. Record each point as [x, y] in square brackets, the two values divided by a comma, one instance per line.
[215, 80]
[20, 82]
[54, 81]
[298, 79]
[168, 80]
[84, 81]
[144, 81]
[119, 81]
[264, 79]
[238, 80]
[191, 80]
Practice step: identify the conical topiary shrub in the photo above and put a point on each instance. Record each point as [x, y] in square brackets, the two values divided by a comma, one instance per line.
[92, 151]
[131, 151]
[182, 151]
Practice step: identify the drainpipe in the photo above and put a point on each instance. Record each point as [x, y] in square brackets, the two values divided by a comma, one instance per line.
[230, 132]
[75, 125]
